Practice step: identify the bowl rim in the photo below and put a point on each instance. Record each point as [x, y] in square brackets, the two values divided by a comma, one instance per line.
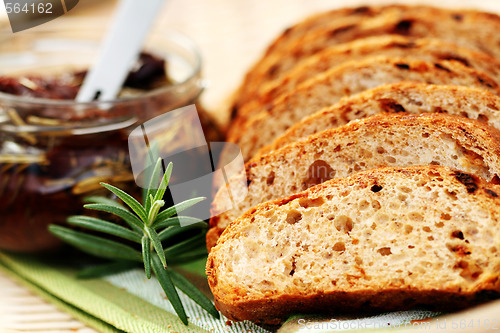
[170, 34]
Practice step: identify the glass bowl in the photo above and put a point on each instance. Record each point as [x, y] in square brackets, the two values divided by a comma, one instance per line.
[55, 152]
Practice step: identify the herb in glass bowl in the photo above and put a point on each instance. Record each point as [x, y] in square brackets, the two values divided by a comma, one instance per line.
[150, 227]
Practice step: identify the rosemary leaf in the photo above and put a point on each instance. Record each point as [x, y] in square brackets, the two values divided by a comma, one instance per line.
[151, 233]
[96, 224]
[146, 255]
[105, 269]
[162, 188]
[128, 200]
[176, 220]
[97, 246]
[132, 220]
[153, 183]
[168, 233]
[169, 212]
[185, 246]
[153, 211]
[192, 292]
[172, 222]
[167, 285]
[102, 200]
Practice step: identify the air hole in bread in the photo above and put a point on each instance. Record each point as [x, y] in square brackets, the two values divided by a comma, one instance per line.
[381, 150]
[430, 238]
[405, 189]
[391, 105]
[376, 188]
[270, 178]
[426, 229]
[390, 159]
[467, 180]
[402, 66]
[425, 135]
[408, 229]
[491, 193]
[307, 202]
[482, 117]
[339, 247]
[440, 66]
[451, 194]
[403, 27]
[292, 271]
[444, 216]
[293, 216]
[458, 249]
[486, 81]
[415, 216]
[376, 205]
[318, 172]
[469, 271]
[457, 234]
[343, 223]
[439, 224]
[492, 106]
[363, 205]
[384, 251]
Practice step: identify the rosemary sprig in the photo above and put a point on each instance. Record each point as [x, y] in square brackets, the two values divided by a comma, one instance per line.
[149, 228]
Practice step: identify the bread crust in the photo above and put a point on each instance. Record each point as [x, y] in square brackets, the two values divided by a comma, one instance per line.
[346, 150]
[425, 49]
[238, 302]
[468, 28]
[298, 30]
[352, 77]
[410, 97]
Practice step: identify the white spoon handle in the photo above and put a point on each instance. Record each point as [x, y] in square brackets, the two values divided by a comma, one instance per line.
[119, 50]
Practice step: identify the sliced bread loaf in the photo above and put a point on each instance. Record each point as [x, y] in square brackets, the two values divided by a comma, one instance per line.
[352, 77]
[391, 45]
[411, 97]
[347, 16]
[385, 239]
[381, 140]
[470, 29]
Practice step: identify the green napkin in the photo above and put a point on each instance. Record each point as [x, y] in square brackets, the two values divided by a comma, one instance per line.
[121, 302]
[129, 302]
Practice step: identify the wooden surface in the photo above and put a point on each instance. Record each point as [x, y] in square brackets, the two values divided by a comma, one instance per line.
[231, 35]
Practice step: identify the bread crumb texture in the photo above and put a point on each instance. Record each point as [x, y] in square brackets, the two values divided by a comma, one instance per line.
[396, 140]
[388, 238]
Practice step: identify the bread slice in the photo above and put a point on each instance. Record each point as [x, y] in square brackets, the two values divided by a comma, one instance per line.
[353, 77]
[392, 45]
[381, 140]
[411, 97]
[385, 239]
[470, 29]
[289, 36]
